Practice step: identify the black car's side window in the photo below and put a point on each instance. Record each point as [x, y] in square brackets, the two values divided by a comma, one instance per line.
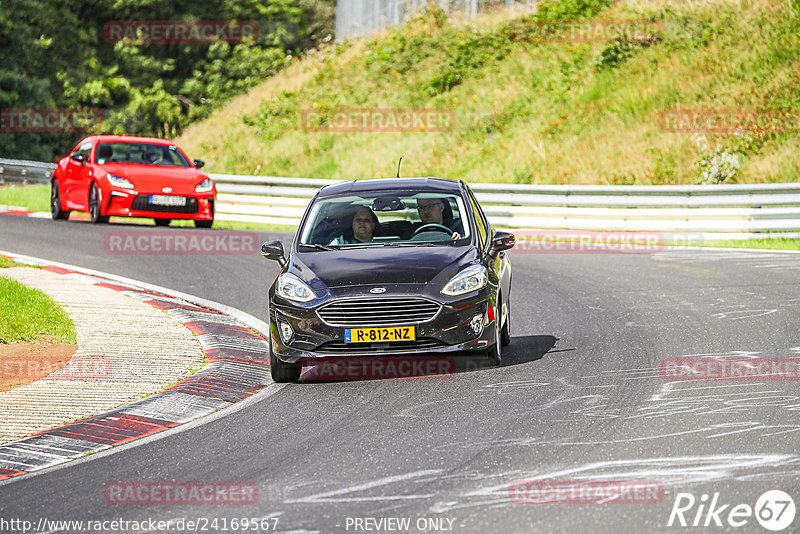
[480, 221]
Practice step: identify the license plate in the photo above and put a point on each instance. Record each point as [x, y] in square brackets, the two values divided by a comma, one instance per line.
[375, 335]
[167, 200]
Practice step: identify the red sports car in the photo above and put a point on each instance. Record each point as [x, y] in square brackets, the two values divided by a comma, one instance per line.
[132, 177]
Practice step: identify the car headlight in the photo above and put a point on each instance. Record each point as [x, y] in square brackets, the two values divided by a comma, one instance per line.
[205, 186]
[470, 279]
[292, 288]
[118, 181]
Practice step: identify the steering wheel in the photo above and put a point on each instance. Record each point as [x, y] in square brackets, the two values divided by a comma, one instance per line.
[434, 227]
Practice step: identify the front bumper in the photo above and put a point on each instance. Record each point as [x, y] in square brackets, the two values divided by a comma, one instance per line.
[448, 332]
[199, 206]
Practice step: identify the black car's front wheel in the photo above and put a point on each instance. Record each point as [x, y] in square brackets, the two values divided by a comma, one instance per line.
[94, 206]
[505, 331]
[55, 203]
[495, 353]
[282, 371]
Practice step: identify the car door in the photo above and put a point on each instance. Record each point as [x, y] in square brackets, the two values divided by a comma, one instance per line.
[500, 264]
[76, 188]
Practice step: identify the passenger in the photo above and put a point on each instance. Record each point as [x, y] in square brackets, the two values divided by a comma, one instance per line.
[362, 229]
[431, 211]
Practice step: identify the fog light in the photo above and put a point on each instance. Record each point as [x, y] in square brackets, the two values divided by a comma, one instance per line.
[476, 324]
[286, 331]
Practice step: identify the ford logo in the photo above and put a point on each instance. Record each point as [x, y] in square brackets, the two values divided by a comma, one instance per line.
[378, 290]
[167, 190]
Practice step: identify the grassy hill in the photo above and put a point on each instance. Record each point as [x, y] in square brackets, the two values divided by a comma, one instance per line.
[527, 111]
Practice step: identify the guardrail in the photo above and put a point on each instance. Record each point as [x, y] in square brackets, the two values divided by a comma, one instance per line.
[25, 172]
[712, 211]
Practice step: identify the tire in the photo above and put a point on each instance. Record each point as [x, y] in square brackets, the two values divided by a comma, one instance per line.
[94, 206]
[282, 371]
[162, 222]
[505, 332]
[495, 353]
[55, 203]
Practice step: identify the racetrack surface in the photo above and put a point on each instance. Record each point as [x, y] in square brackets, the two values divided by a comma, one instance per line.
[579, 397]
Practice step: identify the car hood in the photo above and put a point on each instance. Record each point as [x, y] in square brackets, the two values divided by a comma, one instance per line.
[149, 176]
[385, 266]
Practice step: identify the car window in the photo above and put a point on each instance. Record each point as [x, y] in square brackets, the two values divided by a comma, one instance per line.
[84, 149]
[140, 153]
[407, 218]
[480, 221]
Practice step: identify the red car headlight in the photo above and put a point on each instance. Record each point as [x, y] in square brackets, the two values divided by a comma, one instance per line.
[118, 181]
[205, 186]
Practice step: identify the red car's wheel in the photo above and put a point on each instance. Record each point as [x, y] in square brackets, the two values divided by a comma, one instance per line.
[55, 203]
[94, 206]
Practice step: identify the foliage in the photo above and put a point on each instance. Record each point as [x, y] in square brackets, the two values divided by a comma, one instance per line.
[530, 110]
[56, 55]
[570, 9]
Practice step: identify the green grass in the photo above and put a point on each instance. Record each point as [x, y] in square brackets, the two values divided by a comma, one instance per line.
[782, 243]
[527, 112]
[6, 263]
[37, 198]
[28, 314]
[33, 197]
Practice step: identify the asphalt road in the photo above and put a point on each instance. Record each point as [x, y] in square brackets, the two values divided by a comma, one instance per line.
[578, 397]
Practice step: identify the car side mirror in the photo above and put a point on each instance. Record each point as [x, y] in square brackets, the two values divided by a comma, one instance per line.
[199, 163]
[273, 250]
[77, 156]
[502, 241]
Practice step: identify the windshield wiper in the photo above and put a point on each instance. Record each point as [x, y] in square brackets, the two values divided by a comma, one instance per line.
[417, 244]
[316, 246]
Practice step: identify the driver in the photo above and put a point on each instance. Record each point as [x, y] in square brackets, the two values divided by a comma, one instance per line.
[362, 227]
[431, 211]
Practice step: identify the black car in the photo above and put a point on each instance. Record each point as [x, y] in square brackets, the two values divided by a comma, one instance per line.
[389, 267]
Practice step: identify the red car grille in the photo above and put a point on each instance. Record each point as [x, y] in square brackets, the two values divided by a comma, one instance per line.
[142, 203]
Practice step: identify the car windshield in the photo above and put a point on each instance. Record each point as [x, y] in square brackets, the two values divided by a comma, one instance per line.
[406, 218]
[141, 153]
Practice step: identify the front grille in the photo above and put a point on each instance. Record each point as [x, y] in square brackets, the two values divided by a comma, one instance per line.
[142, 203]
[387, 311]
[340, 347]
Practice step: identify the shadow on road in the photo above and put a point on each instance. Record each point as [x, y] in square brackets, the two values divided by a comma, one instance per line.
[523, 349]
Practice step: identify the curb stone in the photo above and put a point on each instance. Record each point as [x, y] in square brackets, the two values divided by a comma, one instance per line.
[237, 366]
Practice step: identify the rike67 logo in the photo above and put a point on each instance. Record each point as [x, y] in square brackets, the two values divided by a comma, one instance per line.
[774, 510]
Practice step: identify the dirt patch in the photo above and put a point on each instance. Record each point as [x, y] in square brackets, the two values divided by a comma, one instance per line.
[22, 363]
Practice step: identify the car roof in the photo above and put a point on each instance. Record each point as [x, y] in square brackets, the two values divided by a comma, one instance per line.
[443, 185]
[129, 139]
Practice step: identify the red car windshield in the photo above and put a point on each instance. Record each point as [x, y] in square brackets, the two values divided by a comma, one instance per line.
[141, 153]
